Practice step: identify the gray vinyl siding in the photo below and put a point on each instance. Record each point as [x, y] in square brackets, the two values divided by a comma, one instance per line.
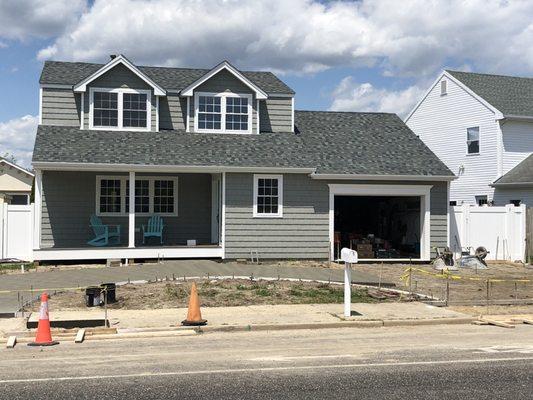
[120, 77]
[172, 112]
[303, 232]
[276, 114]
[224, 81]
[69, 200]
[60, 107]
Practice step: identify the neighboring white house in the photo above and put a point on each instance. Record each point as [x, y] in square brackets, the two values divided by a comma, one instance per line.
[481, 127]
[15, 183]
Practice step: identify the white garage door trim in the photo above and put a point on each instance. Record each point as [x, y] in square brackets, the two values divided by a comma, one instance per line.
[386, 190]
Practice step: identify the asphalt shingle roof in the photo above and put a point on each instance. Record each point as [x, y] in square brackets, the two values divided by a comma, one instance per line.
[521, 173]
[71, 73]
[331, 142]
[511, 95]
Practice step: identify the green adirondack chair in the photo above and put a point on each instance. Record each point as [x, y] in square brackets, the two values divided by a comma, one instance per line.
[154, 228]
[103, 234]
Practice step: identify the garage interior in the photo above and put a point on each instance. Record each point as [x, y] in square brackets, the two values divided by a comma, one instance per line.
[378, 227]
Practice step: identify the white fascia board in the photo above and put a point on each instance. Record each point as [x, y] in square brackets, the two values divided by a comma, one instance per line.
[59, 166]
[3, 160]
[511, 185]
[498, 114]
[120, 59]
[518, 117]
[379, 190]
[259, 93]
[426, 178]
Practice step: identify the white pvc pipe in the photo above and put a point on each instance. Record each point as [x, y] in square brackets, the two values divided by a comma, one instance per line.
[347, 289]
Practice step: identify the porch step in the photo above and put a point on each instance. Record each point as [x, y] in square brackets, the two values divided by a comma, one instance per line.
[113, 262]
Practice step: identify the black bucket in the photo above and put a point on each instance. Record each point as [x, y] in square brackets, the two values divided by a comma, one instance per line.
[109, 290]
[92, 296]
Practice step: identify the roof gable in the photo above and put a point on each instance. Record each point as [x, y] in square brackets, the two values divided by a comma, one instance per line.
[521, 174]
[224, 65]
[511, 95]
[3, 161]
[120, 59]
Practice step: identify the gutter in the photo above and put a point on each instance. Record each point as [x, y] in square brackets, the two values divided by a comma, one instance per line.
[511, 184]
[61, 166]
[425, 178]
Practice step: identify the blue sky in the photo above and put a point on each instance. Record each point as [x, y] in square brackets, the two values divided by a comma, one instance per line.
[376, 55]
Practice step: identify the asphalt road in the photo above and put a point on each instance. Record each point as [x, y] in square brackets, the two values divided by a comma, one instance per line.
[440, 362]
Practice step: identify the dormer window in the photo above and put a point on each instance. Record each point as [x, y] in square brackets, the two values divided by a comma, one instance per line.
[223, 112]
[121, 109]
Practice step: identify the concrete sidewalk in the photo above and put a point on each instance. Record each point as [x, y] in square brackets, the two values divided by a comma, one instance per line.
[273, 316]
[81, 277]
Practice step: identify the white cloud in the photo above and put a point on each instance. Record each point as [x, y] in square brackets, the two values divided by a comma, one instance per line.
[400, 37]
[22, 19]
[350, 95]
[17, 137]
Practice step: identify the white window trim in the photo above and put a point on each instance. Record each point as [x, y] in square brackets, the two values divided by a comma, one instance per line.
[120, 92]
[151, 190]
[279, 214]
[478, 140]
[223, 97]
[443, 85]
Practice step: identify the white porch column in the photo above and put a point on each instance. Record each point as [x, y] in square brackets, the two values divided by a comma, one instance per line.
[38, 195]
[131, 214]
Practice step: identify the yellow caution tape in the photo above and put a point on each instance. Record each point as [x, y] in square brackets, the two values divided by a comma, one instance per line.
[447, 275]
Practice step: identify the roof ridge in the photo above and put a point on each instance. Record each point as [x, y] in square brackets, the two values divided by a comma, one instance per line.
[487, 74]
[348, 112]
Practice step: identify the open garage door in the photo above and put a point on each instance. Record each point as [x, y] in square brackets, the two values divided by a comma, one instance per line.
[381, 222]
[378, 226]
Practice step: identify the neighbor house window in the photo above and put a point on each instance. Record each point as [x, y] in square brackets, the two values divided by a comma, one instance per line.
[443, 87]
[472, 140]
[153, 195]
[481, 200]
[453, 203]
[268, 196]
[127, 109]
[516, 203]
[223, 112]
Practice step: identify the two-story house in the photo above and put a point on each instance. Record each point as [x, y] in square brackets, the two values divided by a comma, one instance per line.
[481, 127]
[220, 165]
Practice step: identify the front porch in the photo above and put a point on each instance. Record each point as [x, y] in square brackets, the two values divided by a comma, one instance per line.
[90, 215]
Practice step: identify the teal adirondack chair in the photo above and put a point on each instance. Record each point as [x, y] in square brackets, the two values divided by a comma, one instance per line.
[103, 234]
[153, 229]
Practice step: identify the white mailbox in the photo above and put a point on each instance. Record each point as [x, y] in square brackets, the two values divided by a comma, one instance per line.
[349, 256]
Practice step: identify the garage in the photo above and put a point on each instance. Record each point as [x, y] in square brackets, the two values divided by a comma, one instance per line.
[378, 226]
[381, 222]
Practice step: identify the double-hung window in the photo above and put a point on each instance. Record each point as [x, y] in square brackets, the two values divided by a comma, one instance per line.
[127, 109]
[268, 196]
[153, 195]
[223, 112]
[472, 140]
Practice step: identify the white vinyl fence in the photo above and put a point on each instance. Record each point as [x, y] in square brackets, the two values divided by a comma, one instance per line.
[501, 230]
[16, 232]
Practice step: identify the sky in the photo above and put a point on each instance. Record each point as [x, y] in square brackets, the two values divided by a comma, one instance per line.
[378, 55]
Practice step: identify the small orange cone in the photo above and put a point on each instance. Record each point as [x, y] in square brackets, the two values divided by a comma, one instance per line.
[194, 316]
[44, 336]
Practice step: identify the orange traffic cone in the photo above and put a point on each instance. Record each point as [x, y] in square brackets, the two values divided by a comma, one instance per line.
[44, 336]
[194, 316]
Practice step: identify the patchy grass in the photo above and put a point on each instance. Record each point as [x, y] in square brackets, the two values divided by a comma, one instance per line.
[218, 293]
[13, 267]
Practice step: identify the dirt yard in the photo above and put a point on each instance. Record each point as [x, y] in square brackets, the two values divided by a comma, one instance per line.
[217, 293]
[472, 286]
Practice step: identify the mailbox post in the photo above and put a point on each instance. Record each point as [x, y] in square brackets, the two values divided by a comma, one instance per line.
[349, 257]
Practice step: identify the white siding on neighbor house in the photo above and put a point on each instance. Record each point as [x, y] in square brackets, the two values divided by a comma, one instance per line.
[441, 122]
[504, 196]
[517, 142]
